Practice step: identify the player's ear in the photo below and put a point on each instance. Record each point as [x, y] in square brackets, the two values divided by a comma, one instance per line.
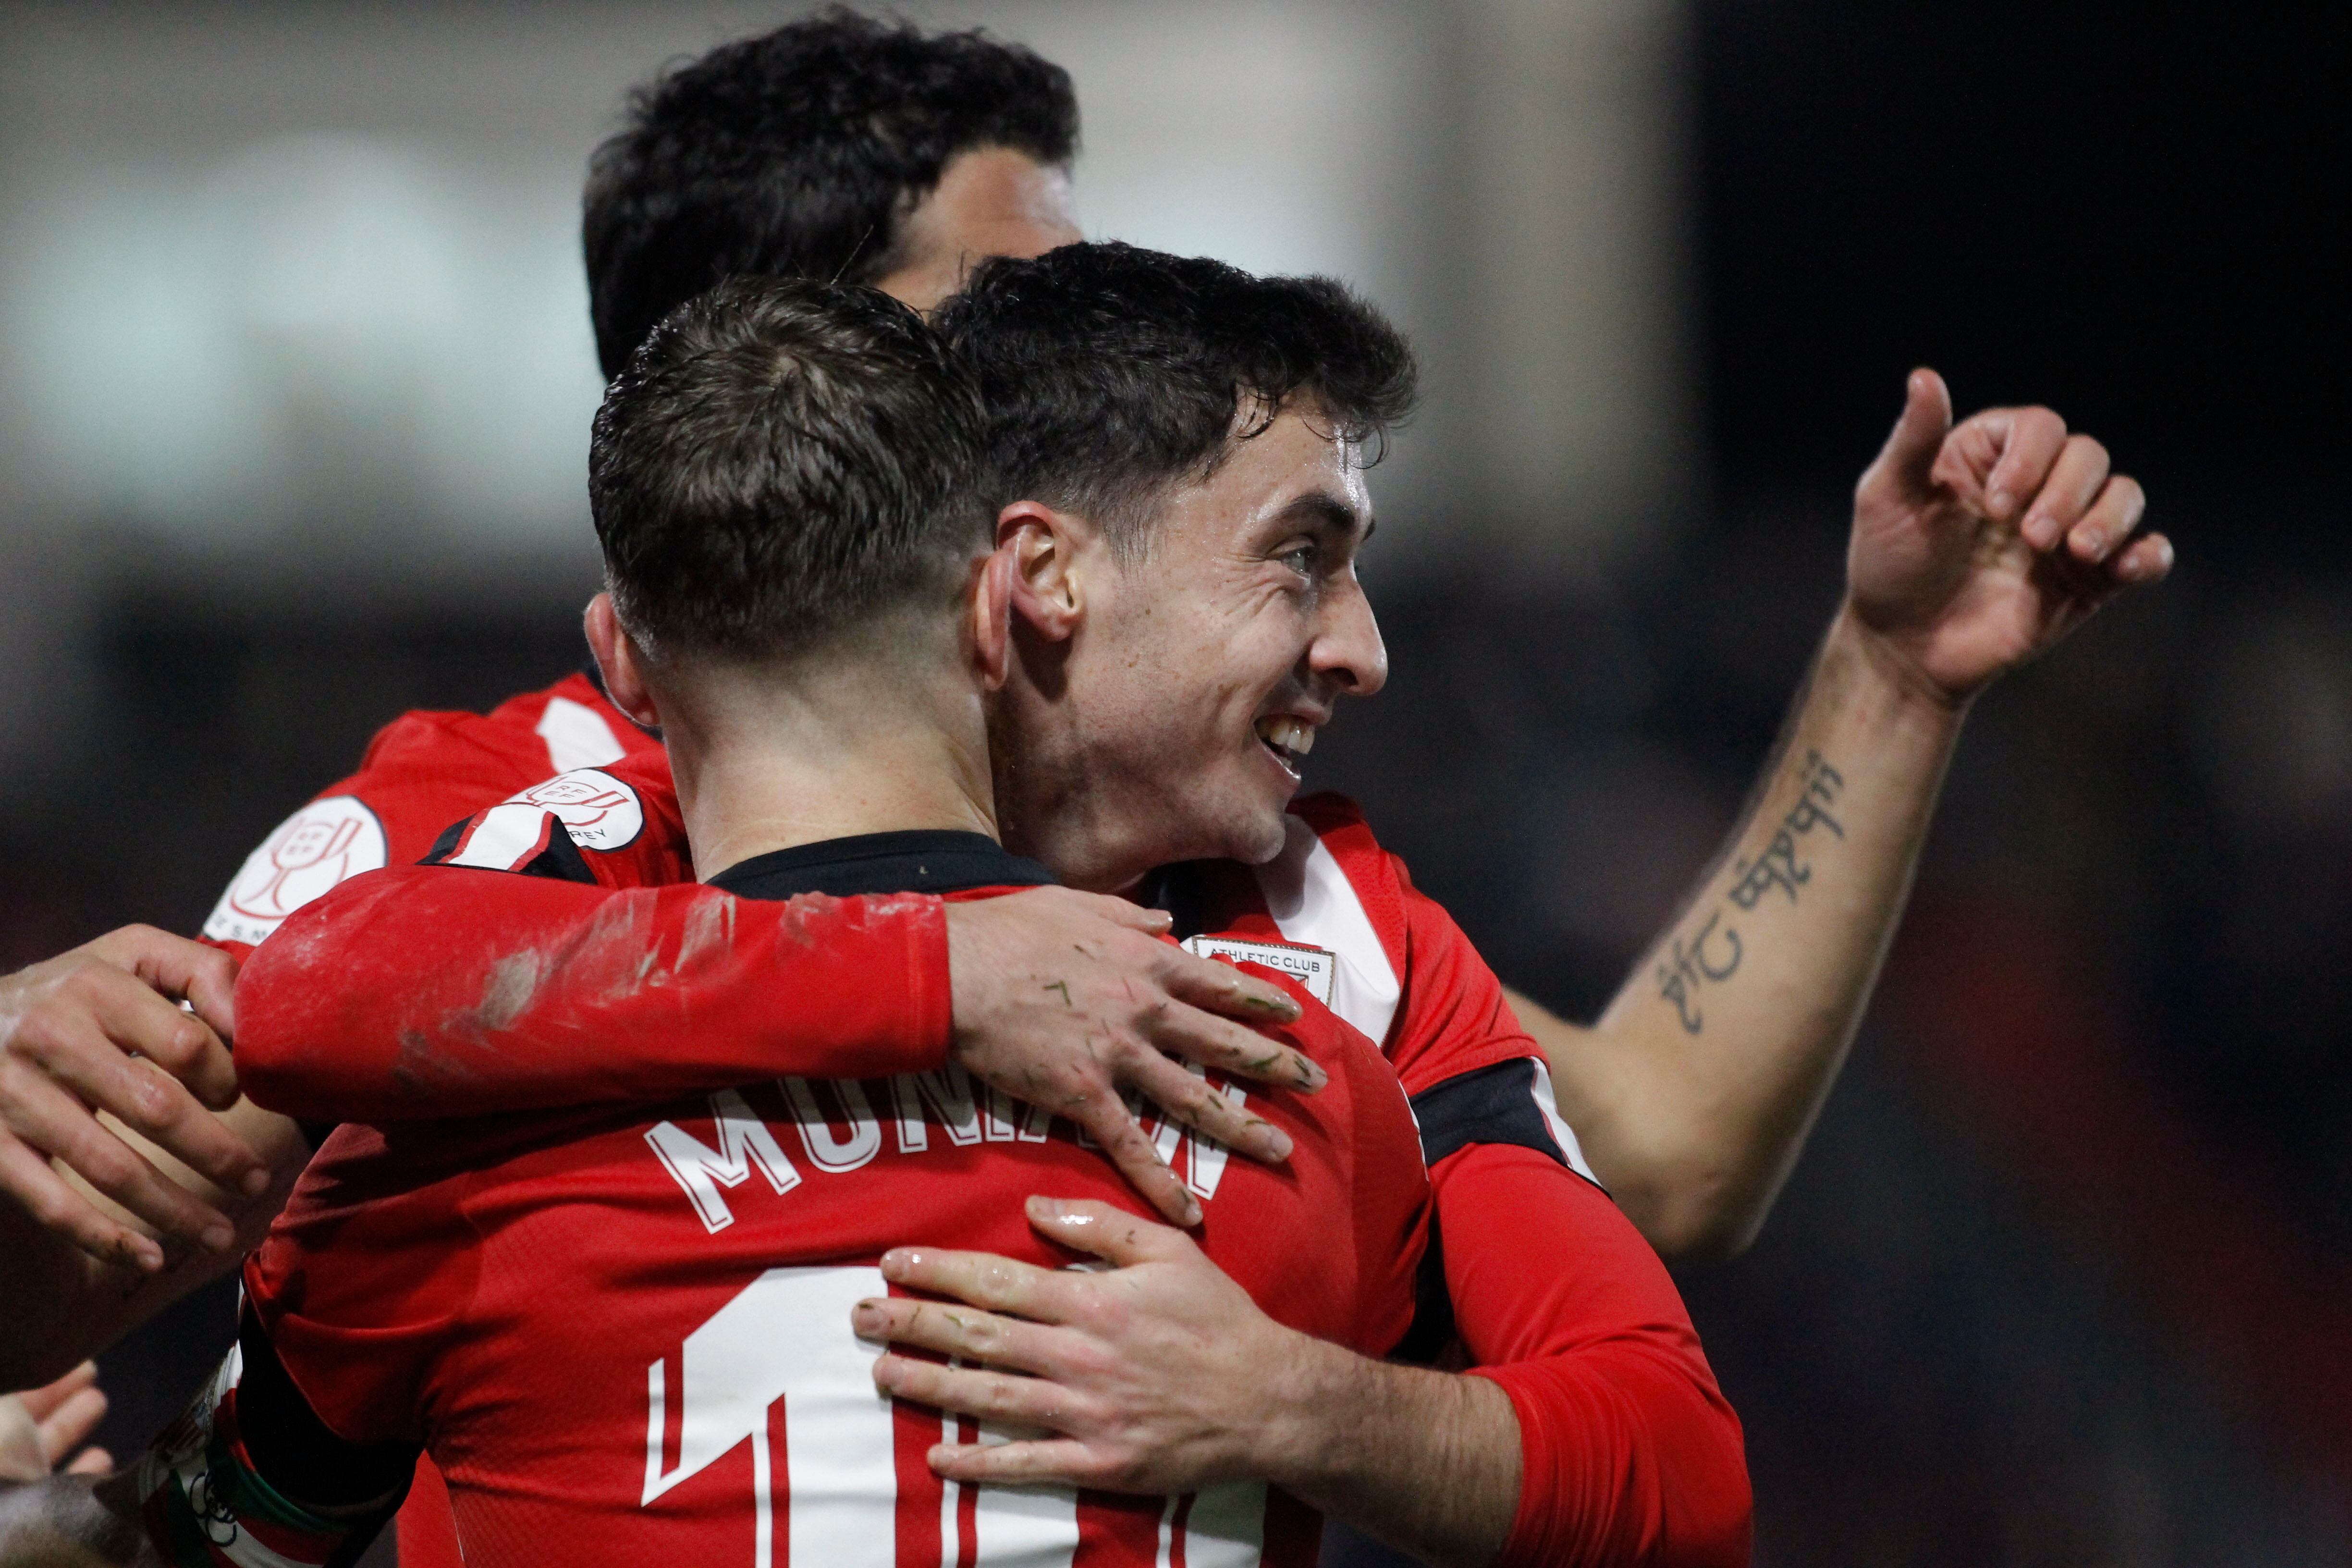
[991, 616]
[1042, 544]
[621, 663]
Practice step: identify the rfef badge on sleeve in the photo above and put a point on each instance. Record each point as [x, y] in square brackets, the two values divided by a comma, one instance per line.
[1311, 967]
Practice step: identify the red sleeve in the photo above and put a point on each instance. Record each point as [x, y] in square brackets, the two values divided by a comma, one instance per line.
[438, 991]
[421, 773]
[361, 1282]
[1630, 1453]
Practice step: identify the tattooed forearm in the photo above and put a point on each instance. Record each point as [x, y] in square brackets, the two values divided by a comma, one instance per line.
[1689, 966]
[1777, 867]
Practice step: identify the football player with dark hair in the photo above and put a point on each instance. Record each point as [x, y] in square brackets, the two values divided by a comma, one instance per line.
[1974, 547]
[836, 147]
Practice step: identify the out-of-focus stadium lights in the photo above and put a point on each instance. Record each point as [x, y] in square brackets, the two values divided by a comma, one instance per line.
[367, 322]
[274, 272]
[309, 324]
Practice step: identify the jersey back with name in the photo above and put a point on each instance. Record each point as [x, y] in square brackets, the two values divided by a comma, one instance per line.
[626, 1336]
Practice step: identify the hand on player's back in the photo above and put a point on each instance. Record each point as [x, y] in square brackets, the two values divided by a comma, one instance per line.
[1978, 546]
[1063, 999]
[1157, 1375]
[99, 1028]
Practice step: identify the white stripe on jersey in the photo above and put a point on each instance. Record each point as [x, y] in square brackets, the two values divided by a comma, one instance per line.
[1561, 1131]
[505, 839]
[577, 736]
[786, 1336]
[1226, 1528]
[1315, 905]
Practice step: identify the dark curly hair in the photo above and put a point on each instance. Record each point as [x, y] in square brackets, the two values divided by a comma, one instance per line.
[798, 153]
[1112, 374]
[782, 461]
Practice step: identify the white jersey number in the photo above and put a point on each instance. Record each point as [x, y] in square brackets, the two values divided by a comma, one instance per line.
[780, 1361]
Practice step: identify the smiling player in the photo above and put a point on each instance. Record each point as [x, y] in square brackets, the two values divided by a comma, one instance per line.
[1695, 1128]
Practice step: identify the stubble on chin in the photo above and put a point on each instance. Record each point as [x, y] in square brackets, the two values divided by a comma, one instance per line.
[1263, 839]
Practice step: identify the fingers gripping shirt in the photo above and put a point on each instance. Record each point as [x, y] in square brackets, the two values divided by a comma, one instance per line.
[625, 1334]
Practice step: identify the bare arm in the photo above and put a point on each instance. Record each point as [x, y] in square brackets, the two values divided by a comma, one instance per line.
[1975, 549]
[1427, 1461]
[1693, 1092]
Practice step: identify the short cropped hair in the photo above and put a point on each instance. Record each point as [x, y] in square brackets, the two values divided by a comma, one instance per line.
[1113, 374]
[782, 462]
[798, 153]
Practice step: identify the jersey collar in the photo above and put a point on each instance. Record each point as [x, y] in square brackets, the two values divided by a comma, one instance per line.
[930, 860]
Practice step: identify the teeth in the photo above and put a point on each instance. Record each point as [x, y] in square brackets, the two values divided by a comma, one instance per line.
[1291, 735]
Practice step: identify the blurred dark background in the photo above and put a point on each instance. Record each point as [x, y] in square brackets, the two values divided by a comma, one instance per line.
[2063, 1277]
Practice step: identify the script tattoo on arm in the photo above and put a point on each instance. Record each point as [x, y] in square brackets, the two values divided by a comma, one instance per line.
[1688, 967]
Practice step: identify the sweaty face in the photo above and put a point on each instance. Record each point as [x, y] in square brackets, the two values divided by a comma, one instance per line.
[1218, 655]
[991, 201]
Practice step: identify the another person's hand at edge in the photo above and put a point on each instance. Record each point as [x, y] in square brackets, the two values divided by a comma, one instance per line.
[43, 1430]
[100, 1029]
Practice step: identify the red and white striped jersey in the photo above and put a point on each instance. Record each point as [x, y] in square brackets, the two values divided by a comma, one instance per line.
[420, 772]
[1341, 914]
[1630, 1452]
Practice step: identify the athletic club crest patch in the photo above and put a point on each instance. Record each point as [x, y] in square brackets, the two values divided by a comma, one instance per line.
[1314, 969]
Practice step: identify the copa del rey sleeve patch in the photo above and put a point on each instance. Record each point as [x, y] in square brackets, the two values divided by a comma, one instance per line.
[1314, 970]
[597, 812]
[312, 850]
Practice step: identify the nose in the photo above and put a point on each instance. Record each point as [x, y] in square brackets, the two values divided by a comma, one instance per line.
[1348, 655]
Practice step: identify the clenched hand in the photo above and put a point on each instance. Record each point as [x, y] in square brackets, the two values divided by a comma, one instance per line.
[1978, 546]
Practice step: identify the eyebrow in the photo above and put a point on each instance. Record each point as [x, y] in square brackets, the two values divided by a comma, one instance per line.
[1330, 511]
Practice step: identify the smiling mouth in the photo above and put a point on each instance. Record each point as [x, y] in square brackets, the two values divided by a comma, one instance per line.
[1288, 739]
